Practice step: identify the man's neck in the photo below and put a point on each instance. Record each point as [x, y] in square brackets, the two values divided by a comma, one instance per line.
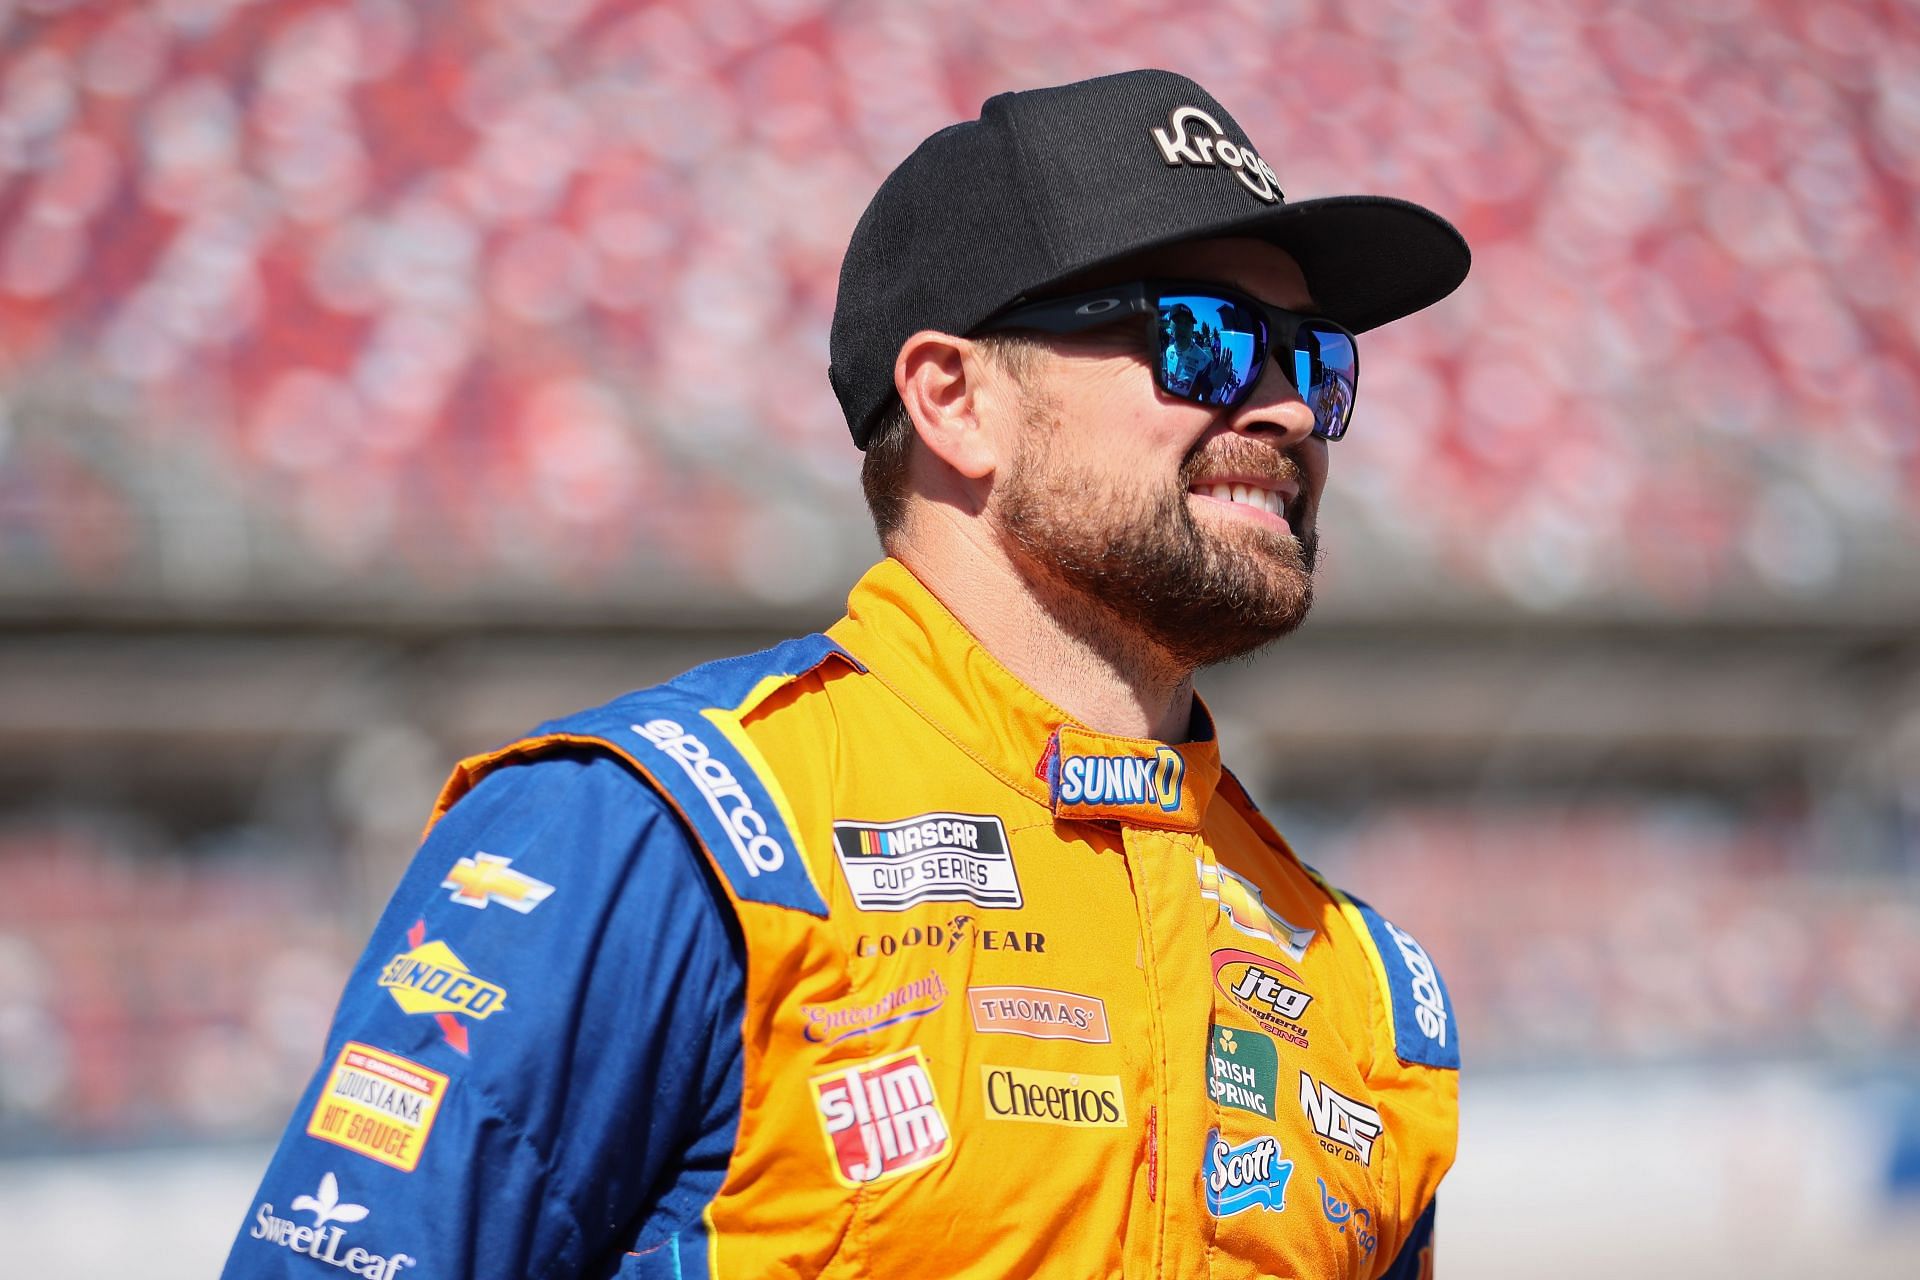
[1066, 649]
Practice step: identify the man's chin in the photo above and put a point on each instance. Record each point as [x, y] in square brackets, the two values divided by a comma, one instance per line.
[1231, 615]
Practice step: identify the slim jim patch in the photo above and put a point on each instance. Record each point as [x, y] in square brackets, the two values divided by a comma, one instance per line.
[880, 1118]
[379, 1105]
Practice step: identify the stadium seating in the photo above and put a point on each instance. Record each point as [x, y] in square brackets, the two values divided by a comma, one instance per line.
[185, 996]
[427, 295]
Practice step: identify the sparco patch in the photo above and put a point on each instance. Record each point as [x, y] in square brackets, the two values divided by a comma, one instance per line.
[933, 857]
[379, 1105]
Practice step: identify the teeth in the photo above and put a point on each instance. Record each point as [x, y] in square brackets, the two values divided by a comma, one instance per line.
[1246, 495]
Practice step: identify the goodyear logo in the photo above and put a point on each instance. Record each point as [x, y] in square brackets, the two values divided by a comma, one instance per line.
[1123, 780]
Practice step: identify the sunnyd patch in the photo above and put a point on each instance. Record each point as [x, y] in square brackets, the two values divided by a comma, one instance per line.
[379, 1105]
[1243, 1070]
[1120, 782]
[934, 857]
[1238, 1178]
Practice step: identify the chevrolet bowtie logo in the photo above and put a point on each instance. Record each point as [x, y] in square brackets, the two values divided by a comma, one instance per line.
[486, 877]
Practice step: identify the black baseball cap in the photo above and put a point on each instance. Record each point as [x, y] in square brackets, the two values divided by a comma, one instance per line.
[1048, 183]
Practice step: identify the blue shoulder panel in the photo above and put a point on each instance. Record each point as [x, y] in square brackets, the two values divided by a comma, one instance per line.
[665, 728]
[1424, 1029]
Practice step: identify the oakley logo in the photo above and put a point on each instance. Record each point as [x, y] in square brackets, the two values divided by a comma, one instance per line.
[1098, 306]
[1178, 147]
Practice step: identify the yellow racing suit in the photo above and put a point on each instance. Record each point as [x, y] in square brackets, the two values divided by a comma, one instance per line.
[982, 992]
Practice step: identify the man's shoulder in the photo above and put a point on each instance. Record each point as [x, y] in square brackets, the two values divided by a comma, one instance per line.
[1414, 996]
[686, 740]
[729, 687]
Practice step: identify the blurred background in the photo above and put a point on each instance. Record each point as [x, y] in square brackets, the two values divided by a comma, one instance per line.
[381, 377]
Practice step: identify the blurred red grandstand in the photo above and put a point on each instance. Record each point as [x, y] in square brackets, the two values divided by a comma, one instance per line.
[417, 303]
[380, 296]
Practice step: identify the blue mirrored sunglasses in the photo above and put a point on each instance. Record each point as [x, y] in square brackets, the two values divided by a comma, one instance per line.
[1208, 343]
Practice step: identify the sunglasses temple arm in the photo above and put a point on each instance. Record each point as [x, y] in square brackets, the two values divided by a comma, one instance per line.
[1072, 314]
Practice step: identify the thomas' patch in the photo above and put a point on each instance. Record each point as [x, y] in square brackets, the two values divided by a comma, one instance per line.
[1039, 1013]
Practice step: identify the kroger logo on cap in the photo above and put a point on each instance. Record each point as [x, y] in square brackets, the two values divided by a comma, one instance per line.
[1179, 146]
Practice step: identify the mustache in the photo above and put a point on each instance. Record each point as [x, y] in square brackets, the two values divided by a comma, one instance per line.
[1241, 456]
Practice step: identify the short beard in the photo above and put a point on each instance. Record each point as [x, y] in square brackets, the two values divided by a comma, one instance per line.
[1120, 575]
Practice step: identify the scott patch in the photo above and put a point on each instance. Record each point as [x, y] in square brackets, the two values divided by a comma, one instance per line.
[1238, 1178]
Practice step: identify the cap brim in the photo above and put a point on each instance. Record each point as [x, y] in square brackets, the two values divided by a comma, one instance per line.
[1369, 259]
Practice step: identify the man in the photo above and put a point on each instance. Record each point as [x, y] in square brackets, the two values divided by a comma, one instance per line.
[941, 943]
[1186, 362]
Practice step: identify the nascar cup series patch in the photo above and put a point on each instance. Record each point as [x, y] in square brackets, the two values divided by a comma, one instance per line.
[931, 857]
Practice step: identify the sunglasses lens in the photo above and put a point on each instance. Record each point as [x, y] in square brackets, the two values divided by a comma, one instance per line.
[1210, 348]
[1325, 371]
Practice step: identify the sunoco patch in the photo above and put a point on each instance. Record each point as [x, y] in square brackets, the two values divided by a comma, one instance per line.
[379, 1105]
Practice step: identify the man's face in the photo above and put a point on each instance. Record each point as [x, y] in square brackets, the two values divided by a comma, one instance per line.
[1186, 526]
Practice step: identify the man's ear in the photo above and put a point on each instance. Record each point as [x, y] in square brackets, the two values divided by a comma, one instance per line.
[949, 390]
